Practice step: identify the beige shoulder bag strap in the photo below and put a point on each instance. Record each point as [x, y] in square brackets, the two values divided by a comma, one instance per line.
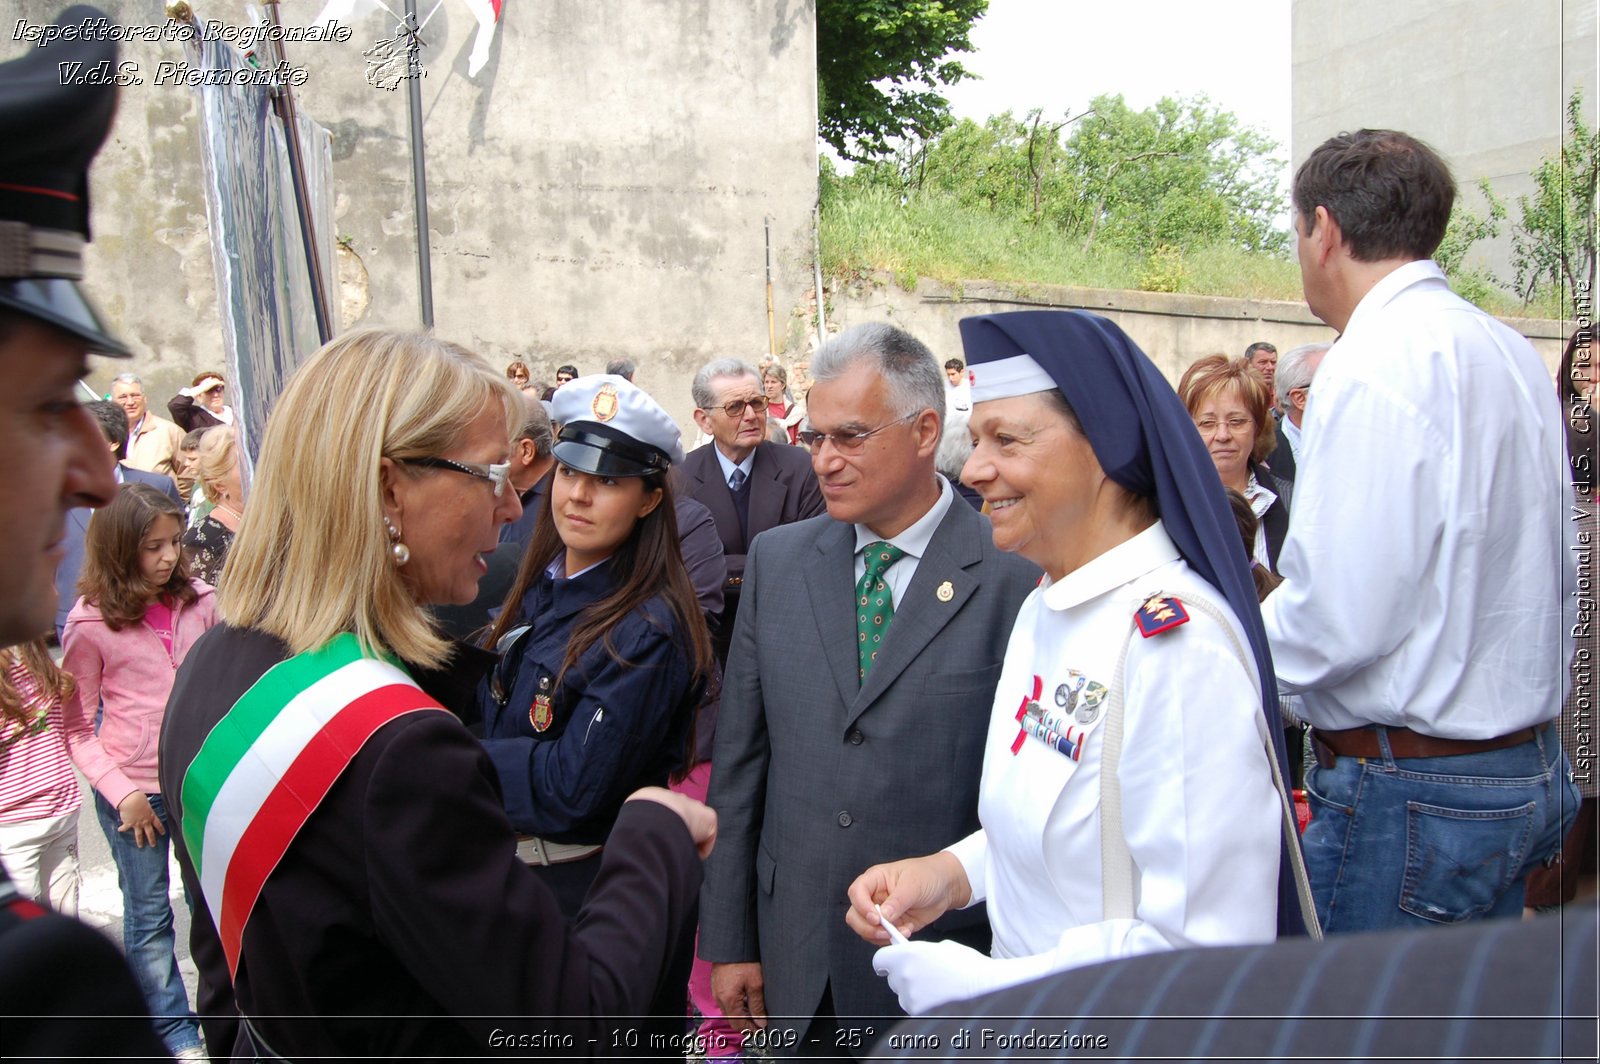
[1119, 879]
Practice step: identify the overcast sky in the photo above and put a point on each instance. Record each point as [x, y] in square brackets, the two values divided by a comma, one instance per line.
[1058, 54]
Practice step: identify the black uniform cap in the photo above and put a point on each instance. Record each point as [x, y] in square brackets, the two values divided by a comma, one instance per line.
[49, 133]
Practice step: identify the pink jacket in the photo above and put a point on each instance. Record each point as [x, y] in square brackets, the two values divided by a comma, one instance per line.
[131, 673]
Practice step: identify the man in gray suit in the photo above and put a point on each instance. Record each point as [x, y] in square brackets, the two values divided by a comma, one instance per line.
[859, 684]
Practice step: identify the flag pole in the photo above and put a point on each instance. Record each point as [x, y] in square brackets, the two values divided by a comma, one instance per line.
[283, 105]
[419, 169]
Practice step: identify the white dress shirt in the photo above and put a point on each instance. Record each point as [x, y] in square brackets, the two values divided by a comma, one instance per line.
[1200, 814]
[1423, 571]
[914, 541]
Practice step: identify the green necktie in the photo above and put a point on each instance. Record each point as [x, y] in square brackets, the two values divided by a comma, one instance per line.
[874, 602]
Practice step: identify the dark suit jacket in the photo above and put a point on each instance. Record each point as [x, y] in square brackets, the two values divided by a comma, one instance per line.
[67, 990]
[1494, 989]
[1281, 458]
[78, 526]
[817, 777]
[783, 489]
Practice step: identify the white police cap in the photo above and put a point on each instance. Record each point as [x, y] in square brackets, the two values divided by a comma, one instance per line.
[612, 428]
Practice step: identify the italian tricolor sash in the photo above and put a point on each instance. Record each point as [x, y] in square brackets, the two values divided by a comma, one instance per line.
[269, 762]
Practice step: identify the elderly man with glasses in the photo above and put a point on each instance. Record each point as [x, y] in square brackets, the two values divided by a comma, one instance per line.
[748, 483]
[855, 702]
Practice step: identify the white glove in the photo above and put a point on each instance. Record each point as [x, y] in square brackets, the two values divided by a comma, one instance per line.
[926, 975]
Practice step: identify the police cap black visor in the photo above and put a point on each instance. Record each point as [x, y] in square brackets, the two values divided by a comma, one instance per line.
[590, 447]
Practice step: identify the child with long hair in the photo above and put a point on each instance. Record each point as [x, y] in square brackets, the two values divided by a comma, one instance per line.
[39, 795]
[139, 615]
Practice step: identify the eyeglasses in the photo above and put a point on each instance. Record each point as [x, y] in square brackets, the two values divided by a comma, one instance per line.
[846, 442]
[496, 473]
[735, 407]
[1208, 425]
[562, 378]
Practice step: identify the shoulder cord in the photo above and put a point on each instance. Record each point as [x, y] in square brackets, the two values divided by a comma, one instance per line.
[1118, 876]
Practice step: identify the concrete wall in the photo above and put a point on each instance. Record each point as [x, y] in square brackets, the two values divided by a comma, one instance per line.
[1485, 82]
[597, 191]
[1173, 330]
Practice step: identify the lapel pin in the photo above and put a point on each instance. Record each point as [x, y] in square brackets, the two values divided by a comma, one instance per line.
[946, 591]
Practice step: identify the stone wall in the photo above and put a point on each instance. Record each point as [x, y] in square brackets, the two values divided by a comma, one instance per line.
[1173, 330]
[597, 191]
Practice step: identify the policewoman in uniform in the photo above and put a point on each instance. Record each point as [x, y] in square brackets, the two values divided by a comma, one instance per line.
[1128, 802]
[604, 649]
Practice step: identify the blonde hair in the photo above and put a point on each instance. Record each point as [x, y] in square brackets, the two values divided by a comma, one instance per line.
[218, 456]
[311, 559]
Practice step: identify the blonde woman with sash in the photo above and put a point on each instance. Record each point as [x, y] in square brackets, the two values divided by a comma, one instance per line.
[361, 891]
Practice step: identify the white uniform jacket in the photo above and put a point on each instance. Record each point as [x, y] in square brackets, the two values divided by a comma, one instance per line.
[1200, 814]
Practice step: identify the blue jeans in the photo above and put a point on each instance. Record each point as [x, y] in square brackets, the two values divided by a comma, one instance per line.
[147, 936]
[1421, 841]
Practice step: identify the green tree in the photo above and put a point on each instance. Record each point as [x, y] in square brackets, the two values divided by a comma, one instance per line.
[880, 64]
[1553, 245]
[1182, 173]
[1467, 227]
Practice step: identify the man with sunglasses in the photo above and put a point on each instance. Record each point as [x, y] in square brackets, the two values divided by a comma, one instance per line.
[747, 482]
[855, 703]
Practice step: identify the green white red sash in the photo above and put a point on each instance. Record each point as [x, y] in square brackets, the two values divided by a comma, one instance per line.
[269, 762]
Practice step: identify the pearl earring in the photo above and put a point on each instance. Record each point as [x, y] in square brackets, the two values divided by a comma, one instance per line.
[399, 551]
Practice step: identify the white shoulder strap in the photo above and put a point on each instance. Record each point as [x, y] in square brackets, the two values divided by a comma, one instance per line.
[1118, 876]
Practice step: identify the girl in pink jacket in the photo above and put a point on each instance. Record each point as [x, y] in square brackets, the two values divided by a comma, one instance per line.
[139, 615]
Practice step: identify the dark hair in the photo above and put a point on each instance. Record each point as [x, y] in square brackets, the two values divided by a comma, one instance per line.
[1259, 345]
[113, 422]
[573, 370]
[648, 563]
[1266, 581]
[1576, 410]
[111, 578]
[1390, 193]
[191, 439]
[954, 363]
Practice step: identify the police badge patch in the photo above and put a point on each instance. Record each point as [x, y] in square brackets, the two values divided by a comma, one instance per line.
[540, 714]
[605, 404]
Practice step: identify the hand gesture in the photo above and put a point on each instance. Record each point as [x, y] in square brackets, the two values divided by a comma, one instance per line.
[912, 894]
[139, 817]
[699, 818]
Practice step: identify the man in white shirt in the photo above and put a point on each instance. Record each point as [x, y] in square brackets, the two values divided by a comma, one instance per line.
[1420, 617]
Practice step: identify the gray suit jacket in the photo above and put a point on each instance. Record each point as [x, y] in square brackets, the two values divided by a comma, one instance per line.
[815, 776]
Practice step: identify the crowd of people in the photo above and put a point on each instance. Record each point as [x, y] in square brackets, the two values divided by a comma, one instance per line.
[497, 718]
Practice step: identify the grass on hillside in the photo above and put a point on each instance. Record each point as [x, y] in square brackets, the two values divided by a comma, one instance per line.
[934, 237]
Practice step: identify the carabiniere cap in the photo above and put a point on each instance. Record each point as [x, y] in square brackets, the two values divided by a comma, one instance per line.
[49, 134]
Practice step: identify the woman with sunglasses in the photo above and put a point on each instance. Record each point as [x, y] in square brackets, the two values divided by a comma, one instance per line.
[604, 649]
[203, 404]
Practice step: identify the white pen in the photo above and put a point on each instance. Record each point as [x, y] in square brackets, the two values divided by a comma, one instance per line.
[894, 932]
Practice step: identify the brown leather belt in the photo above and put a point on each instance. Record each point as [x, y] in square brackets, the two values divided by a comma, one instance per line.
[1403, 742]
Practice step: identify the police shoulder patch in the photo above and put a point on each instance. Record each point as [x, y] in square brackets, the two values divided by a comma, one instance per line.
[1159, 615]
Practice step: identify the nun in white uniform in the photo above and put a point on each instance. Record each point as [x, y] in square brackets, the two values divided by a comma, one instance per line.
[1092, 470]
